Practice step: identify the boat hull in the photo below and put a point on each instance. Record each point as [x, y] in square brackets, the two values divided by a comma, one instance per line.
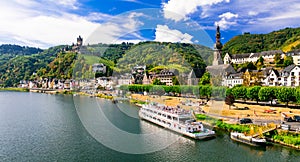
[249, 140]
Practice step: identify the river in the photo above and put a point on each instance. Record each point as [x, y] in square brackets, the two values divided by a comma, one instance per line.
[43, 127]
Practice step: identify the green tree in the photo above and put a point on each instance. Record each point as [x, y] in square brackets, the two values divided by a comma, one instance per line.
[297, 94]
[205, 91]
[277, 58]
[218, 92]
[175, 80]
[239, 92]
[288, 60]
[157, 89]
[285, 94]
[266, 94]
[260, 62]
[205, 79]
[228, 91]
[252, 93]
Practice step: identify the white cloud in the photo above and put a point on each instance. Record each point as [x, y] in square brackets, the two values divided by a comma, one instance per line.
[252, 13]
[179, 9]
[118, 27]
[43, 25]
[228, 15]
[164, 34]
[66, 3]
[226, 20]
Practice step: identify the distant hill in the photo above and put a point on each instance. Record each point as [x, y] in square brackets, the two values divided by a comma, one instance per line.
[286, 39]
[22, 65]
[17, 64]
[18, 50]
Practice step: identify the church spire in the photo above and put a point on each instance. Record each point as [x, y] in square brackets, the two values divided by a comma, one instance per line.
[218, 49]
[218, 44]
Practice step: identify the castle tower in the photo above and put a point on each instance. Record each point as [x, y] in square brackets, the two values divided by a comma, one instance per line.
[79, 41]
[218, 49]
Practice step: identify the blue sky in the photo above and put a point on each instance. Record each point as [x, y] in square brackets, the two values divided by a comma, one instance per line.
[45, 23]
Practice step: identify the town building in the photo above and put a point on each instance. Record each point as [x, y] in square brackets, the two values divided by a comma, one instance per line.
[295, 55]
[268, 56]
[99, 68]
[290, 76]
[137, 74]
[232, 80]
[271, 77]
[124, 79]
[252, 77]
[194, 76]
[166, 76]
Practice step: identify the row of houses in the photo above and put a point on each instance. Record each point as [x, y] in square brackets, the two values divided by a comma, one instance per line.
[289, 76]
[49, 84]
[268, 56]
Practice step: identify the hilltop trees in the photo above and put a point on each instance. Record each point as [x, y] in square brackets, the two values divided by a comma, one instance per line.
[283, 39]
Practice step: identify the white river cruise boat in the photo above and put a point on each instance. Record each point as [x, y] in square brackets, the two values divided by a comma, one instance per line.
[175, 119]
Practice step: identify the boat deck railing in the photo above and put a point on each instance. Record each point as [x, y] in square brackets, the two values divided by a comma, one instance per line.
[171, 110]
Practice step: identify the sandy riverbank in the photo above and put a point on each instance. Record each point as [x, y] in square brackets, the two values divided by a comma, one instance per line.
[219, 107]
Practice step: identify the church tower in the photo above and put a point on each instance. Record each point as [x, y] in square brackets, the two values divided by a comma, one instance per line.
[218, 49]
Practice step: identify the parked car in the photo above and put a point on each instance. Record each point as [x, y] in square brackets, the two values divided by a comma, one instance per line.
[297, 118]
[285, 127]
[270, 111]
[245, 121]
[273, 102]
[288, 119]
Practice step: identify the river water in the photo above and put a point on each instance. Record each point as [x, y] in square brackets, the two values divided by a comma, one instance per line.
[42, 127]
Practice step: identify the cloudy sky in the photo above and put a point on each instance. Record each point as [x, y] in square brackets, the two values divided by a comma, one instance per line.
[45, 23]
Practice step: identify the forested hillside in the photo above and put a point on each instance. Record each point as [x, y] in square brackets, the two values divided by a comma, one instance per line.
[286, 39]
[54, 63]
[173, 55]
[21, 67]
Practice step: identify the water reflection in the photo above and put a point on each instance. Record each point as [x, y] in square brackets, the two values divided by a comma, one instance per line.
[109, 127]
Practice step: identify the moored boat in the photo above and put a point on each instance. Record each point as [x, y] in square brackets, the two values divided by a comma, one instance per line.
[175, 119]
[240, 137]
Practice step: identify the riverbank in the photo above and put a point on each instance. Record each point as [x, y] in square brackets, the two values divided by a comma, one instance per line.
[15, 89]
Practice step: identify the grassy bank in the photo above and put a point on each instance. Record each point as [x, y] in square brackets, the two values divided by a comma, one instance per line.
[134, 101]
[14, 89]
[287, 138]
